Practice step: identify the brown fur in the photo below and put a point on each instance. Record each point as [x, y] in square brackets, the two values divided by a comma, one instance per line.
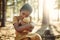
[32, 37]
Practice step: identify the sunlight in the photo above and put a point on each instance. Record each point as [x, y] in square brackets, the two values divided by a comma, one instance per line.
[53, 13]
[50, 6]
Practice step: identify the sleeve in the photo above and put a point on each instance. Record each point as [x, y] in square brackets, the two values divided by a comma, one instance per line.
[15, 20]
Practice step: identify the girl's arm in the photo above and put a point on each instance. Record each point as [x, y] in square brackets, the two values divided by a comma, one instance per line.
[21, 28]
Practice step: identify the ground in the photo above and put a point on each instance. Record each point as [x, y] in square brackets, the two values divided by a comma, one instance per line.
[8, 32]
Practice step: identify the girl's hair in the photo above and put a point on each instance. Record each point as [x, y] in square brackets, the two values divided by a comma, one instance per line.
[26, 7]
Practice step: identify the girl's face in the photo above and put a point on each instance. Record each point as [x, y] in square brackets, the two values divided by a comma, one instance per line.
[24, 13]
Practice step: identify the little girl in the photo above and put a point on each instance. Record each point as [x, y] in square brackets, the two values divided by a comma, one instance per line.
[22, 23]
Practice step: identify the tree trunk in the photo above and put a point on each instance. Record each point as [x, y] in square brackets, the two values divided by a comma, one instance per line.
[45, 20]
[2, 12]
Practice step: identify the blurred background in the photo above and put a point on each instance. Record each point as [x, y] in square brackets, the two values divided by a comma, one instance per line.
[45, 12]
